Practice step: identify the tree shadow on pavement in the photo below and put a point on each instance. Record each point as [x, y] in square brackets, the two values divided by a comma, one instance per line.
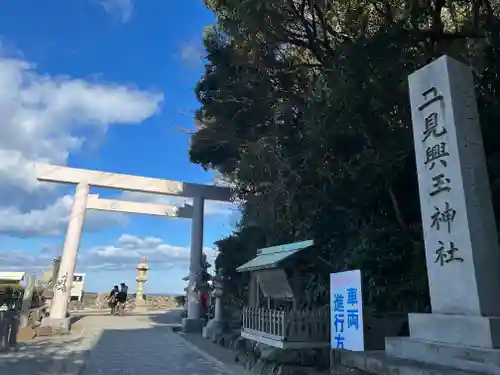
[42, 356]
[141, 344]
[169, 317]
[147, 346]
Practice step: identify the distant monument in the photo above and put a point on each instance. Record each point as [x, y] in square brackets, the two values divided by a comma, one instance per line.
[48, 282]
[141, 278]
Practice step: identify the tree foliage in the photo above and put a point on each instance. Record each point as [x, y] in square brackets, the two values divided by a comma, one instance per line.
[304, 108]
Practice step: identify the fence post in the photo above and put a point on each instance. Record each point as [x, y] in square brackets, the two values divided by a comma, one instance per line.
[284, 318]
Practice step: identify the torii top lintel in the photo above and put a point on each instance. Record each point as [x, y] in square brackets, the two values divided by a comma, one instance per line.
[68, 175]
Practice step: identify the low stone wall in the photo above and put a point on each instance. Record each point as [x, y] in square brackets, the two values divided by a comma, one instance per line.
[98, 301]
[264, 360]
[260, 359]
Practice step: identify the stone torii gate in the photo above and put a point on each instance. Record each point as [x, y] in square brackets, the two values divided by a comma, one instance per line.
[83, 179]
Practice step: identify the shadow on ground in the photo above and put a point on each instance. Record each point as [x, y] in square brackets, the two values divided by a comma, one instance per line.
[40, 356]
[171, 318]
[136, 344]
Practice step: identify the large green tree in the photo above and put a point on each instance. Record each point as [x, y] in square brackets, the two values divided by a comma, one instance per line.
[304, 107]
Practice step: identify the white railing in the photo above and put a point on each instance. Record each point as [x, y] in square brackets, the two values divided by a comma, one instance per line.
[288, 325]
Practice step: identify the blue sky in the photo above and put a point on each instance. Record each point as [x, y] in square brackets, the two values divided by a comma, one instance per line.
[104, 85]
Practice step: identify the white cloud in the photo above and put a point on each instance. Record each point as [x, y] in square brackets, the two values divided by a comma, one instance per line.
[127, 250]
[22, 261]
[121, 9]
[123, 254]
[52, 220]
[211, 207]
[44, 119]
[191, 53]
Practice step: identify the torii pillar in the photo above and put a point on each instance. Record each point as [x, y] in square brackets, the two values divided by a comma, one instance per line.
[193, 322]
[62, 287]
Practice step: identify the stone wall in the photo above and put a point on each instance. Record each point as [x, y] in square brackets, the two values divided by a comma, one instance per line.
[98, 301]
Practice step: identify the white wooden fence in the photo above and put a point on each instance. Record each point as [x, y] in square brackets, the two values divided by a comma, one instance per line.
[288, 325]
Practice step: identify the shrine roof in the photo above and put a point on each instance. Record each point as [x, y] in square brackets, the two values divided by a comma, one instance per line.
[270, 257]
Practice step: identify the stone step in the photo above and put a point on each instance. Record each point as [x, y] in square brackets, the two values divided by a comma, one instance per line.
[466, 358]
[377, 362]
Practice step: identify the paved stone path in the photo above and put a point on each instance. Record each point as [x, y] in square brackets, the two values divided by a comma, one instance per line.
[110, 345]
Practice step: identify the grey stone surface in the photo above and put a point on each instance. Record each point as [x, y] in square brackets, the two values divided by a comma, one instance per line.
[191, 325]
[141, 344]
[465, 358]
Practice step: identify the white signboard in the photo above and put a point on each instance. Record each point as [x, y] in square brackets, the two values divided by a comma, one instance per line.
[77, 286]
[346, 311]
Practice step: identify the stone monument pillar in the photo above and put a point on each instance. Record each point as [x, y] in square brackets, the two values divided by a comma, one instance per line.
[218, 324]
[48, 291]
[141, 278]
[56, 264]
[59, 307]
[194, 322]
[460, 234]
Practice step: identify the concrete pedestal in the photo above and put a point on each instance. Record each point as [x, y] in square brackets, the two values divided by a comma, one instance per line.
[192, 325]
[58, 325]
[214, 329]
[140, 305]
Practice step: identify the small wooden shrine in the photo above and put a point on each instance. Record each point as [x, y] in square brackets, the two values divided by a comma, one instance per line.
[274, 315]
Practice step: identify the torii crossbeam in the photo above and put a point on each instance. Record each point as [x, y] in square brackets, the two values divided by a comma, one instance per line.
[94, 202]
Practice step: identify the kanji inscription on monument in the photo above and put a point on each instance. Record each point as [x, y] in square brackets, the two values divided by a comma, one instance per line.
[457, 216]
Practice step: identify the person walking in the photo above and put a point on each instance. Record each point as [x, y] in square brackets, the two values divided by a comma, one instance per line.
[122, 298]
[113, 299]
